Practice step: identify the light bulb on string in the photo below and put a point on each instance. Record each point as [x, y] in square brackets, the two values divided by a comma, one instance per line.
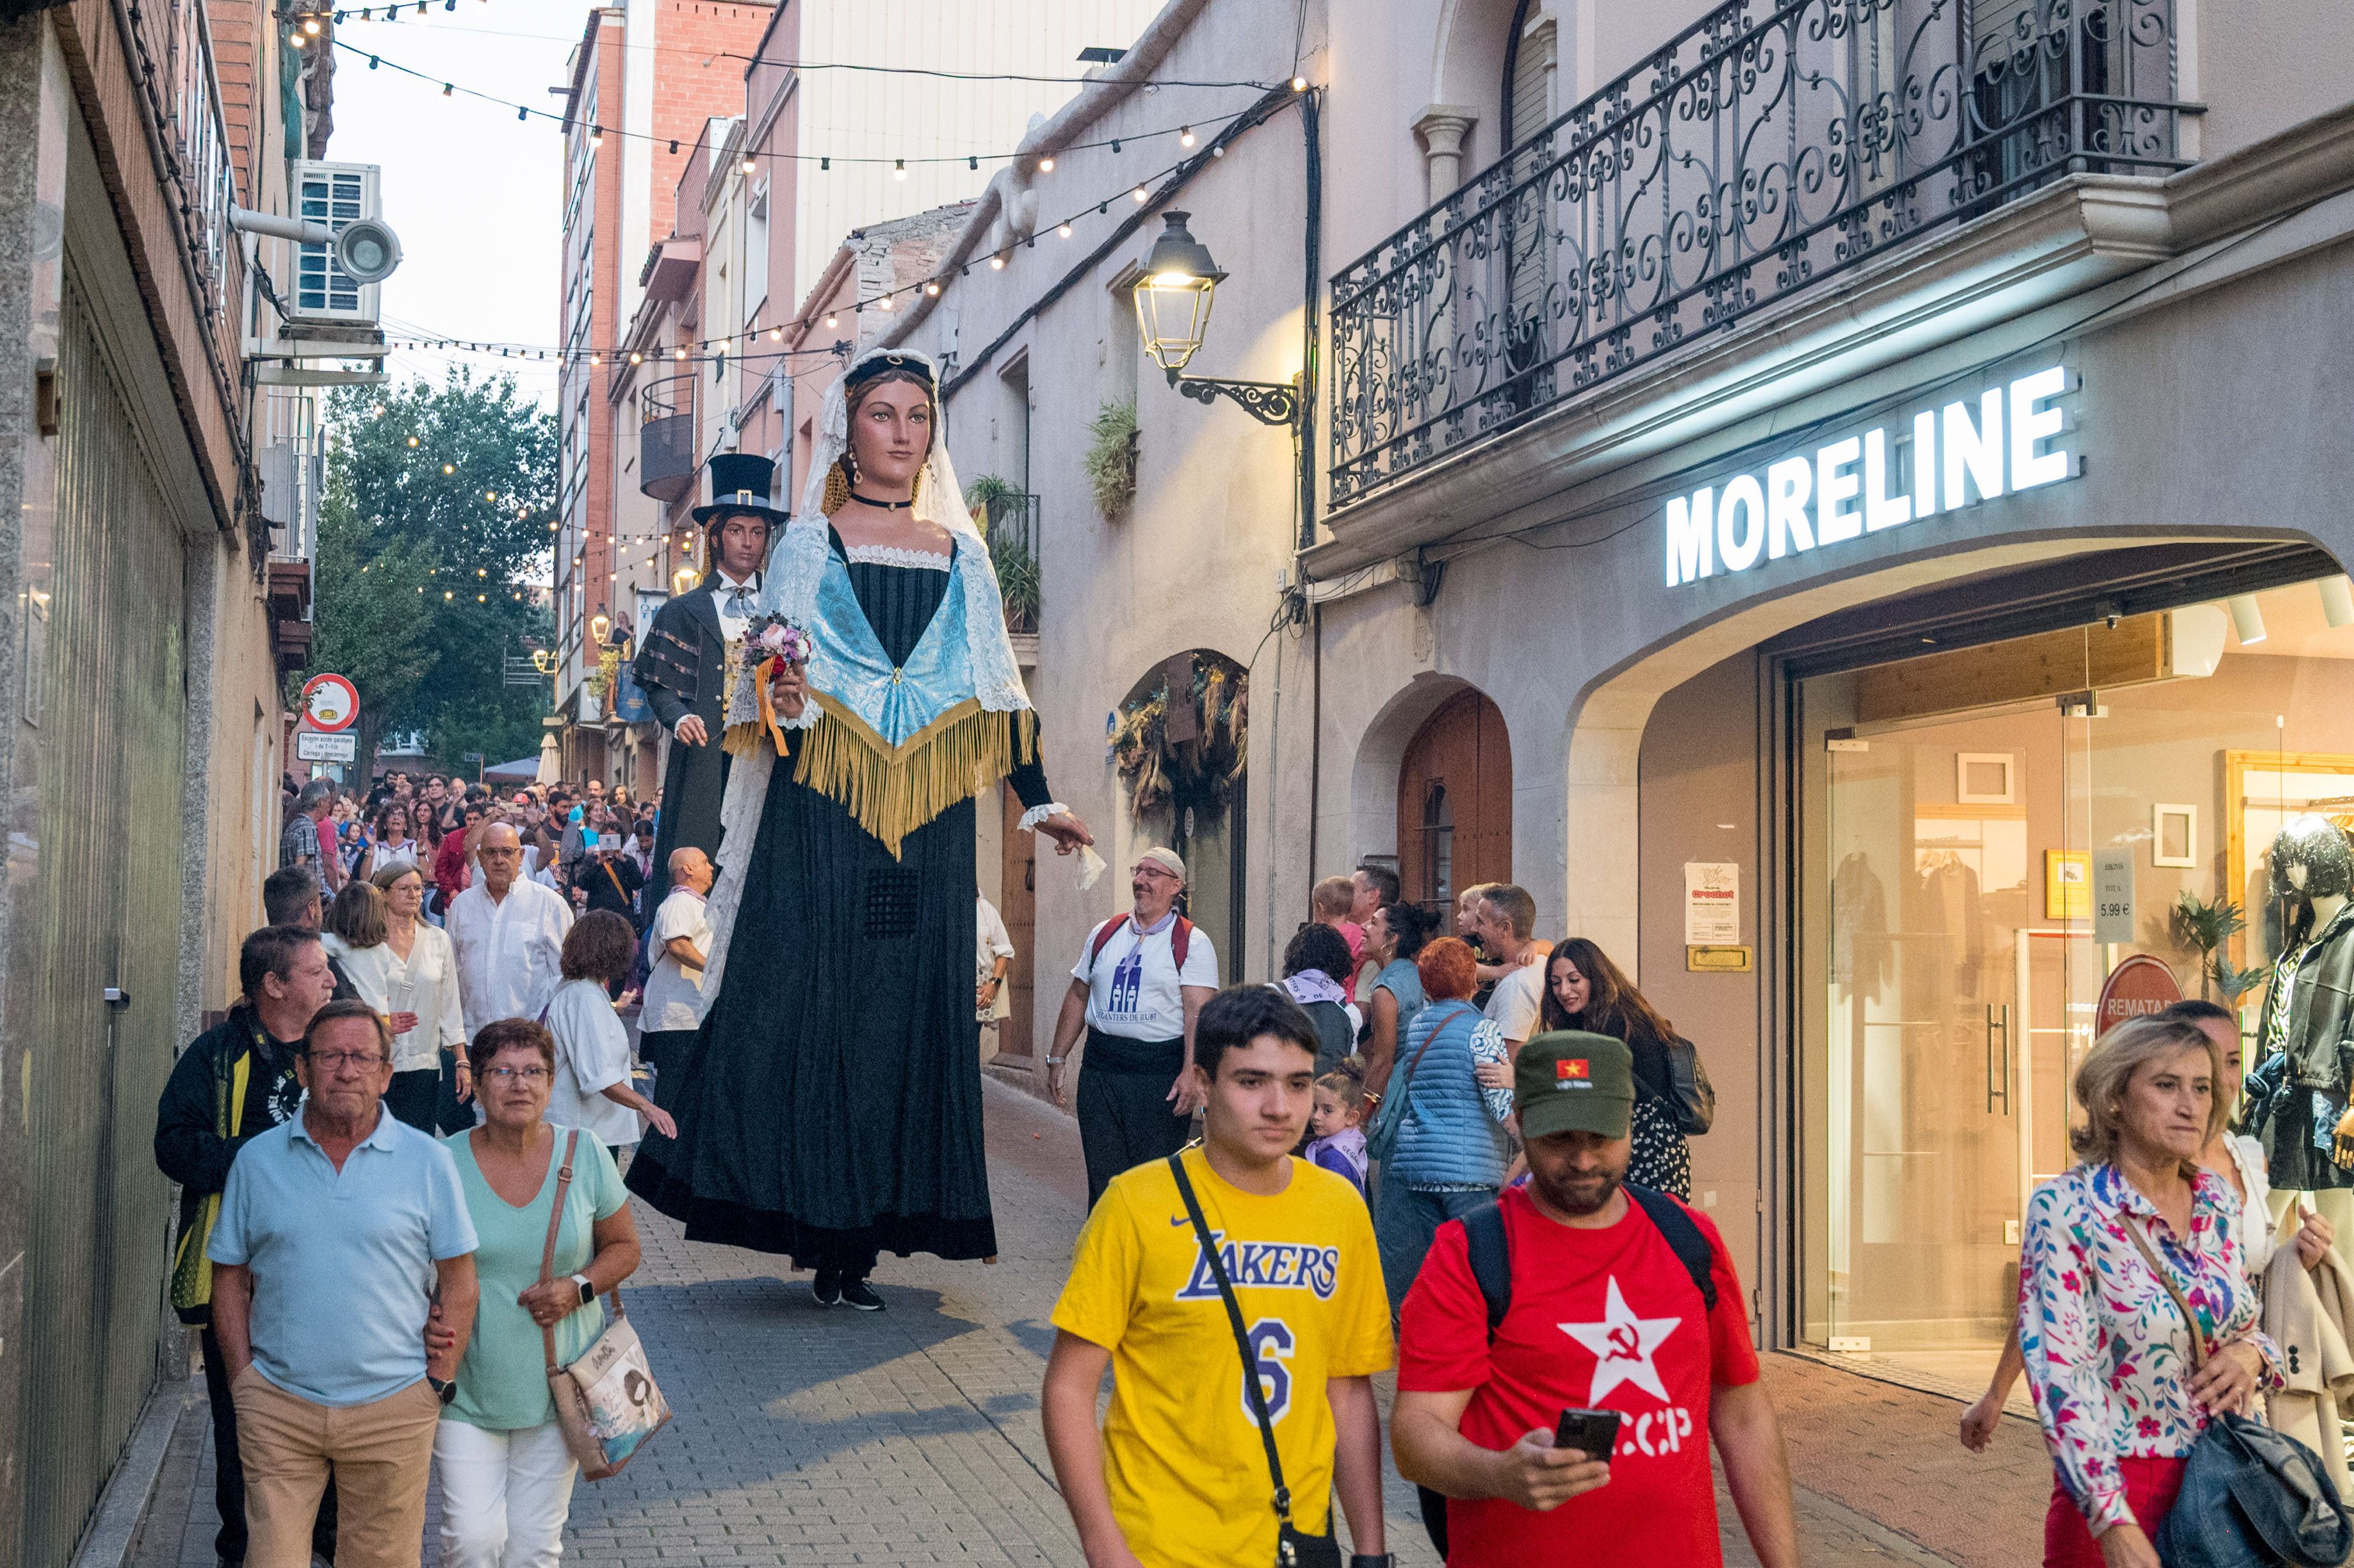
[997, 262]
[1064, 230]
[832, 321]
[1184, 135]
[1045, 166]
[1140, 197]
[412, 441]
[750, 168]
[899, 172]
[448, 467]
[933, 289]
[1299, 84]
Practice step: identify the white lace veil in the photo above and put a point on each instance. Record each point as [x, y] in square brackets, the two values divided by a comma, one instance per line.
[938, 498]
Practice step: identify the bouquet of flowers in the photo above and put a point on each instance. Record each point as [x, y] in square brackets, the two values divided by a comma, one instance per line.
[775, 637]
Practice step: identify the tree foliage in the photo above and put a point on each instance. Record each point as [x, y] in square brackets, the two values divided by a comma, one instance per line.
[433, 527]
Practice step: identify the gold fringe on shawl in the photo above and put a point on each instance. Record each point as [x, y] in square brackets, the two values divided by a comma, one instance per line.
[893, 791]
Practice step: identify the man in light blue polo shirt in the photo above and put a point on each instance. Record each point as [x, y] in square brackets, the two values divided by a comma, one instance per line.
[336, 1230]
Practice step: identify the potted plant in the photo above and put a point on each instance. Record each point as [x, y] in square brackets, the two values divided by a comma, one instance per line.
[2205, 928]
[1110, 463]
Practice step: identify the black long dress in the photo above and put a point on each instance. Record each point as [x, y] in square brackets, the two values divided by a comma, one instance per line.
[832, 1107]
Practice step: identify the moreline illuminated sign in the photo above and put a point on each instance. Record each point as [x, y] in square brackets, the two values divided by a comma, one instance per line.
[1843, 490]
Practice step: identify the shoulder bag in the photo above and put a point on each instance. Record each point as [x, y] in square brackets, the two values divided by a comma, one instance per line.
[1294, 1548]
[2250, 1495]
[1690, 1097]
[1389, 1116]
[606, 1401]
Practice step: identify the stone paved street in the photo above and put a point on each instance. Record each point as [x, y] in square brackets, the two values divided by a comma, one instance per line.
[911, 1437]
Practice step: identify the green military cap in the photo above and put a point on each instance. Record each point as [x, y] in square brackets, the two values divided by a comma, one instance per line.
[1570, 1081]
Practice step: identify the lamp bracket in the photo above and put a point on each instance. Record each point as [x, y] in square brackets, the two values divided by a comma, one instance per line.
[1269, 402]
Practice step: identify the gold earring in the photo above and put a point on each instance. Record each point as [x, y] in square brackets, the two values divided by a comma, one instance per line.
[837, 488]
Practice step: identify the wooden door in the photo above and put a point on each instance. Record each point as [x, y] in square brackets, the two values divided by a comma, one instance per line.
[1018, 907]
[1455, 805]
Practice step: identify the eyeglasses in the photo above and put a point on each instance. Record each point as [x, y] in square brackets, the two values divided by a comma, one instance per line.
[530, 1076]
[1153, 871]
[361, 1061]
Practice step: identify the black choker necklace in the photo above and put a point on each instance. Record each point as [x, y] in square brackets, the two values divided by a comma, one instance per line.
[886, 505]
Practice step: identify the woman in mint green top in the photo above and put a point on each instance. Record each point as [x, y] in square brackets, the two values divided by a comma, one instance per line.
[506, 1476]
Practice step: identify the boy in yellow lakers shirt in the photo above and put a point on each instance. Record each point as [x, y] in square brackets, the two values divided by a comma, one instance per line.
[1180, 1475]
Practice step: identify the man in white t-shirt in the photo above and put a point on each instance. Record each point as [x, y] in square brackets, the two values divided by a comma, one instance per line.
[672, 1008]
[1141, 980]
[508, 935]
[1507, 916]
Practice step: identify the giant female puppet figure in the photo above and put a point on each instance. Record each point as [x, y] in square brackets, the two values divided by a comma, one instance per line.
[832, 1107]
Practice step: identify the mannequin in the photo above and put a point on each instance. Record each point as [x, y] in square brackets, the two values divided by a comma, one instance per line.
[2304, 1037]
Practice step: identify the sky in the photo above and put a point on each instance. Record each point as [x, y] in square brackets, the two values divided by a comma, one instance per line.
[473, 194]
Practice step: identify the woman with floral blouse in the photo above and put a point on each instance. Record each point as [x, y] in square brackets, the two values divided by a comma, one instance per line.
[2107, 1351]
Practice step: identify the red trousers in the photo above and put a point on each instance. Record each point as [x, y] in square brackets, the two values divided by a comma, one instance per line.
[2151, 1486]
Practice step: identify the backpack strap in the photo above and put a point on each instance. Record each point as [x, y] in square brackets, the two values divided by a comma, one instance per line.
[1691, 1247]
[1102, 939]
[1180, 939]
[1489, 1249]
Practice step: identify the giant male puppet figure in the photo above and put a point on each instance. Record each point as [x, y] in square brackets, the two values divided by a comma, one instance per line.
[683, 666]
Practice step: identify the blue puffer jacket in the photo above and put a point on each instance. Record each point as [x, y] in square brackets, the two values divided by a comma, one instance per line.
[1448, 1139]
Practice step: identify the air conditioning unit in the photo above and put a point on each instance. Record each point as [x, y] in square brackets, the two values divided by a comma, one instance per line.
[319, 293]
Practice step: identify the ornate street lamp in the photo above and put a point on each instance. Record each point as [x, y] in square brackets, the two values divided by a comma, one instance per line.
[600, 625]
[539, 660]
[1173, 297]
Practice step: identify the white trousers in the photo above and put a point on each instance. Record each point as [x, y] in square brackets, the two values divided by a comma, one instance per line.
[504, 1495]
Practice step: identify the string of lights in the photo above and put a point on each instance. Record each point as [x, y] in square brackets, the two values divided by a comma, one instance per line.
[824, 161]
[744, 346]
[418, 11]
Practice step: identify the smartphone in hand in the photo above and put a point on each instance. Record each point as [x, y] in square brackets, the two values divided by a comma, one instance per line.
[1594, 1433]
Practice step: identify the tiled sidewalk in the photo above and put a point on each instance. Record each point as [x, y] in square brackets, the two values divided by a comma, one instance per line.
[912, 1437]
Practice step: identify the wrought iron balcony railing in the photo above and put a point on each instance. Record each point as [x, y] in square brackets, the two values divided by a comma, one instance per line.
[1770, 146]
[666, 465]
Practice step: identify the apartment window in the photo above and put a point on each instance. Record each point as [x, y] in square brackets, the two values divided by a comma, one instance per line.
[755, 252]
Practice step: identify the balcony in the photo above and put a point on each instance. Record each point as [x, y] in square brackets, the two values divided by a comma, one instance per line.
[666, 440]
[1767, 148]
[1009, 524]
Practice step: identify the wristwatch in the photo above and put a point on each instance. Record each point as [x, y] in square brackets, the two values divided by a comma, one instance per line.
[443, 1391]
[588, 1291]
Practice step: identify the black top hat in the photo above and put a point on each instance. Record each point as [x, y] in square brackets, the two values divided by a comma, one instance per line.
[740, 482]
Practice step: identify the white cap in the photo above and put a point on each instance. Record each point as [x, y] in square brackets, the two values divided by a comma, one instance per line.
[1167, 859]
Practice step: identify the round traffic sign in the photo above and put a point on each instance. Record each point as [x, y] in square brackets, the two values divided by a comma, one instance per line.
[330, 702]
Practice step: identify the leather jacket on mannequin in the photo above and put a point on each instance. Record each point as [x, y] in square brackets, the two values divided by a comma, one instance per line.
[2307, 1054]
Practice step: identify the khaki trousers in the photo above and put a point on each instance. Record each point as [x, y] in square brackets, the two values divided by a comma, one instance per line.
[379, 1454]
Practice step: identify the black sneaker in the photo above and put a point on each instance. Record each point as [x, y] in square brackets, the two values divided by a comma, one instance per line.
[826, 1288]
[860, 1293]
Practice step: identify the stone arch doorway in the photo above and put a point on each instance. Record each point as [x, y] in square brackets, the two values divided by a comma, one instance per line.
[1179, 743]
[1455, 804]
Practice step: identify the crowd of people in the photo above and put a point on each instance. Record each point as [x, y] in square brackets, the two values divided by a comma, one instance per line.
[370, 1140]
[1463, 1153]
[1461, 1157]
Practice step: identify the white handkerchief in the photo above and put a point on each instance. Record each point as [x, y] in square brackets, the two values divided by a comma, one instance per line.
[1091, 866]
